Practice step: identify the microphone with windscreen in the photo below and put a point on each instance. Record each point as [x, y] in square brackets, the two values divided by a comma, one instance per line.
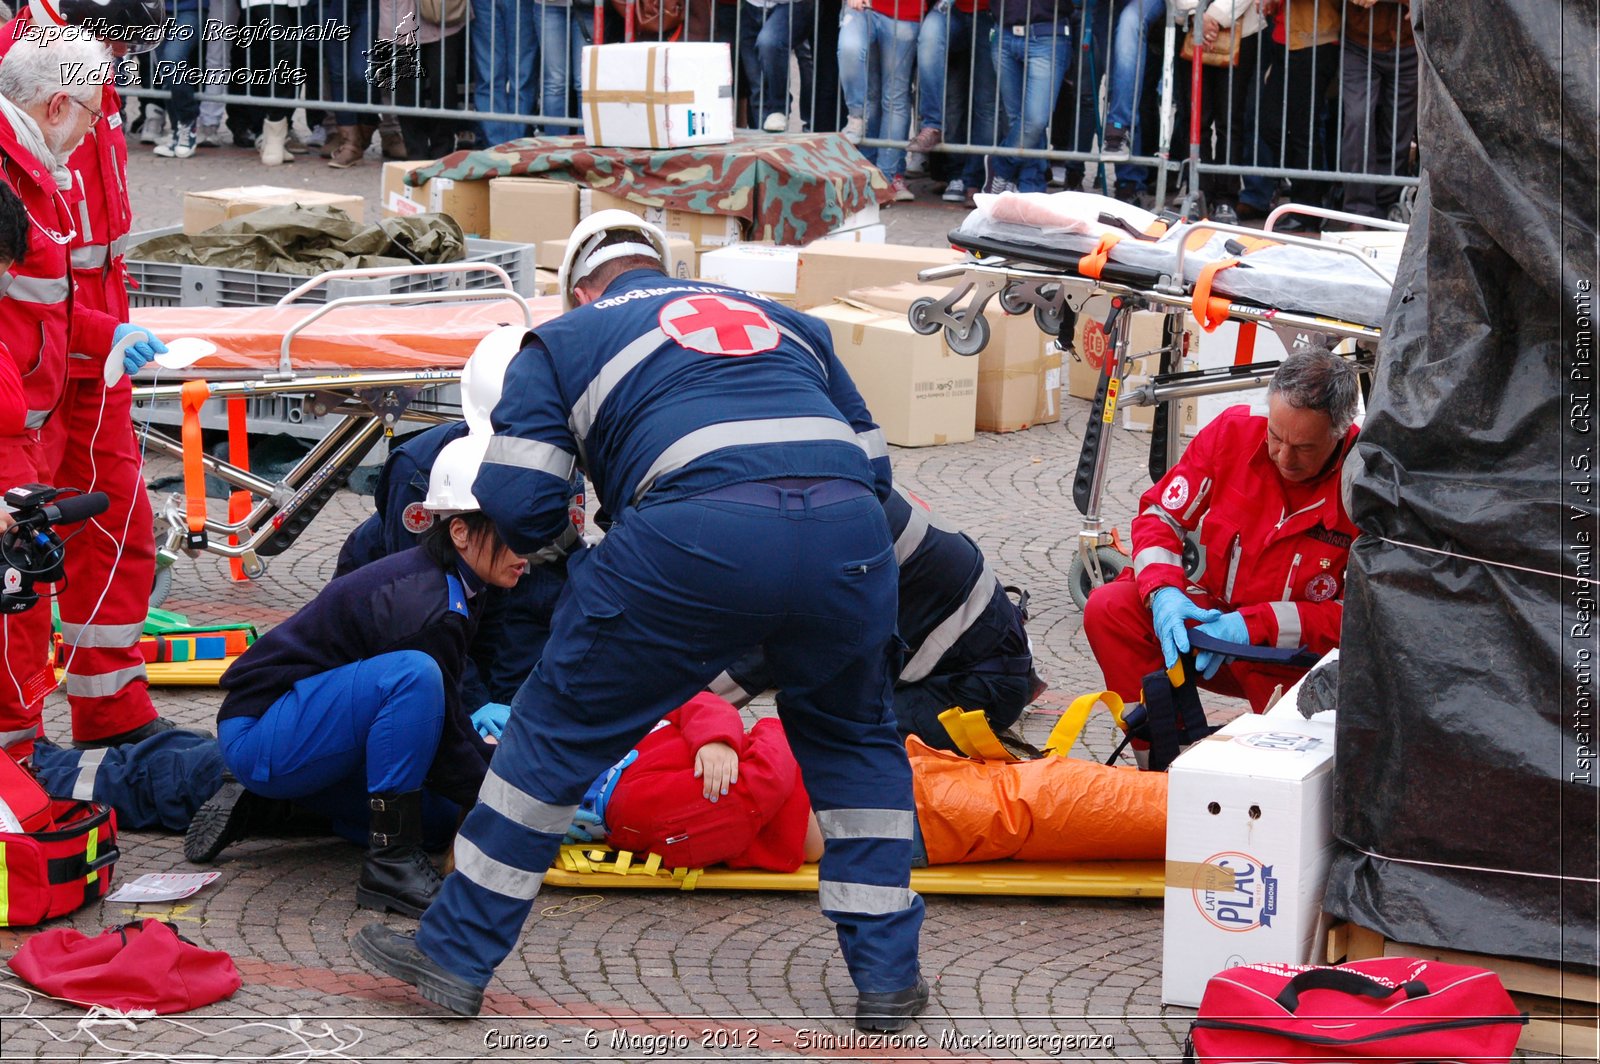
[30, 551]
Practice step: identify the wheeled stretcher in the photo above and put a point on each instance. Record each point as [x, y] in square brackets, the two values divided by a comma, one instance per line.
[375, 360]
[1309, 293]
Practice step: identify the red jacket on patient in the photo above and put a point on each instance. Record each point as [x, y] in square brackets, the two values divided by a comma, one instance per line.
[660, 807]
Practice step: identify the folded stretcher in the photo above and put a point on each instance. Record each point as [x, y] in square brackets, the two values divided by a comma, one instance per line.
[1051, 254]
[376, 360]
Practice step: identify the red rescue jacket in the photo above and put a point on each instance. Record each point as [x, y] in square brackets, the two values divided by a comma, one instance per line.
[102, 217]
[659, 807]
[1280, 564]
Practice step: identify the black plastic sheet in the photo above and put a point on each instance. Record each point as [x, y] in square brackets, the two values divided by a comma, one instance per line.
[1466, 783]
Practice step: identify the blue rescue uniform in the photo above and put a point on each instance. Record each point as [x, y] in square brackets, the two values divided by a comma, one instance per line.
[965, 641]
[743, 475]
[514, 622]
[360, 688]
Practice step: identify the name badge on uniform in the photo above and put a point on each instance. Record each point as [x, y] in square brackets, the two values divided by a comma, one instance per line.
[114, 120]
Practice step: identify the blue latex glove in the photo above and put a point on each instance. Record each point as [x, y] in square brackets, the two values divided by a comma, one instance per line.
[138, 354]
[586, 828]
[490, 719]
[1230, 627]
[1169, 609]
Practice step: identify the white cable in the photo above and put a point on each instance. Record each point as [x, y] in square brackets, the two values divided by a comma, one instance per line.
[336, 1047]
[1488, 561]
[1477, 868]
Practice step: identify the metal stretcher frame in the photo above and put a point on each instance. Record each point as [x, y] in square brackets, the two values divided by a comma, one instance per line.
[1025, 277]
[372, 404]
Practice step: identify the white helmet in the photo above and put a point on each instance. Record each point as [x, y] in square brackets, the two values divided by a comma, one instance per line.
[454, 470]
[483, 378]
[582, 257]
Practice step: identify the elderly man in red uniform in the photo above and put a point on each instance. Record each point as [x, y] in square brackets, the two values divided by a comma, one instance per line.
[1261, 497]
[51, 89]
[88, 441]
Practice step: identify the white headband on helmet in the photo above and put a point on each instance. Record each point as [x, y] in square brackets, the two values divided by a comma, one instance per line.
[590, 261]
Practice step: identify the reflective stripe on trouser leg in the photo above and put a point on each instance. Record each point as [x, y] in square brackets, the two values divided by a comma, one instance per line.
[89, 442]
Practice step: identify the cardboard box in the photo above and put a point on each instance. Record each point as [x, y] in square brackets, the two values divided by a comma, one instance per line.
[465, 201]
[657, 95]
[704, 231]
[876, 233]
[1091, 345]
[1249, 838]
[833, 268]
[527, 210]
[753, 267]
[202, 210]
[918, 391]
[1222, 348]
[680, 257]
[1019, 370]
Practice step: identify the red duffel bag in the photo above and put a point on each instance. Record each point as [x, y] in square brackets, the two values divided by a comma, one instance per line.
[1386, 1009]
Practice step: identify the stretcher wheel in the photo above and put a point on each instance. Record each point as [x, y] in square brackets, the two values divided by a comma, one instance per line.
[1112, 562]
[921, 318]
[1011, 300]
[1048, 321]
[974, 341]
[161, 586]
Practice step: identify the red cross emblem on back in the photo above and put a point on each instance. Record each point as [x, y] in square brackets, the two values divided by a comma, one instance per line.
[718, 325]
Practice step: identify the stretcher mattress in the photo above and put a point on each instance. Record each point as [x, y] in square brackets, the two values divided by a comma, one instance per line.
[591, 868]
[1056, 230]
[362, 338]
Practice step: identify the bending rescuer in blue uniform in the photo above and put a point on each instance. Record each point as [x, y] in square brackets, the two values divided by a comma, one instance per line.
[743, 475]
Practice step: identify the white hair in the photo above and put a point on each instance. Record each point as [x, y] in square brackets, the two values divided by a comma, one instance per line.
[51, 60]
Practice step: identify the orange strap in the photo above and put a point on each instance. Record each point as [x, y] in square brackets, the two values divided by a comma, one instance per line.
[1156, 229]
[192, 398]
[1091, 264]
[238, 455]
[1210, 312]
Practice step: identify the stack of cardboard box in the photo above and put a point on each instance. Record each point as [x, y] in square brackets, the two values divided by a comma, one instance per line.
[202, 210]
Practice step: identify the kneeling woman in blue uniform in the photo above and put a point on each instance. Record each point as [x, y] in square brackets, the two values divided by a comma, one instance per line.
[361, 688]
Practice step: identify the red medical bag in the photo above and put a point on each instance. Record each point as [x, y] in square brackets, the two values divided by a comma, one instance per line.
[1389, 1008]
[59, 868]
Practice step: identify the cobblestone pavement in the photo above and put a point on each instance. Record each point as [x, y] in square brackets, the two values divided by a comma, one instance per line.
[637, 975]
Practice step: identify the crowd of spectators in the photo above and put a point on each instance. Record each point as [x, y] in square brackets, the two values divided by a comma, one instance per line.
[974, 93]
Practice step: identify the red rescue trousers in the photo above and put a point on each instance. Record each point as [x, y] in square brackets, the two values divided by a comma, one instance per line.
[1122, 635]
[25, 637]
[110, 565]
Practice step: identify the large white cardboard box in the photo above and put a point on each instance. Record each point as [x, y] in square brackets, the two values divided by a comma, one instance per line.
[657, 95]
[1249, 837]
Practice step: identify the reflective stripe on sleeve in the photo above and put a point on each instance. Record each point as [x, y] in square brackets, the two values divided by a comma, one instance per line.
[947, 631]
[530, 454]
[1287, 615]
[703, 441]
[727, 688]
[865, 823]
[618, 366]
[1155, 556]
[873, 443]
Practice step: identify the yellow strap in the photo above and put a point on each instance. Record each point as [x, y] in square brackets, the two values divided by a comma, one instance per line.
[90, 850]
[954, 721]
[624, 861]
[5, 889]
[981, 736]
[652, 864]
[691, 878]
[1064, 736]
[1175, 674]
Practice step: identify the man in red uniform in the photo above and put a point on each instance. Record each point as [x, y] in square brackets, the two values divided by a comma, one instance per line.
[1261, 495]
[50, 89]
[89, 441]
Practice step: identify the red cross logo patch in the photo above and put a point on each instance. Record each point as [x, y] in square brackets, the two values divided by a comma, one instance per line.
[717, 325]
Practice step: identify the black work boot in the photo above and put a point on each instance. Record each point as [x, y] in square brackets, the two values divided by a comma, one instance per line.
[398, 955]
[231, 814]
[398, 875]
[893, 1010]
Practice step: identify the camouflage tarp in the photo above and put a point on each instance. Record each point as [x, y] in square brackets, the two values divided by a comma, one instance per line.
[306, 241]
[790, 189]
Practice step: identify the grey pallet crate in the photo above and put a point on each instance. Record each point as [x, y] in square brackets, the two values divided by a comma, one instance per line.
[167, 284]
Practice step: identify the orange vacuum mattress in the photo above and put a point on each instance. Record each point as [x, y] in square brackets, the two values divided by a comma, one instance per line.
[383, 339]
